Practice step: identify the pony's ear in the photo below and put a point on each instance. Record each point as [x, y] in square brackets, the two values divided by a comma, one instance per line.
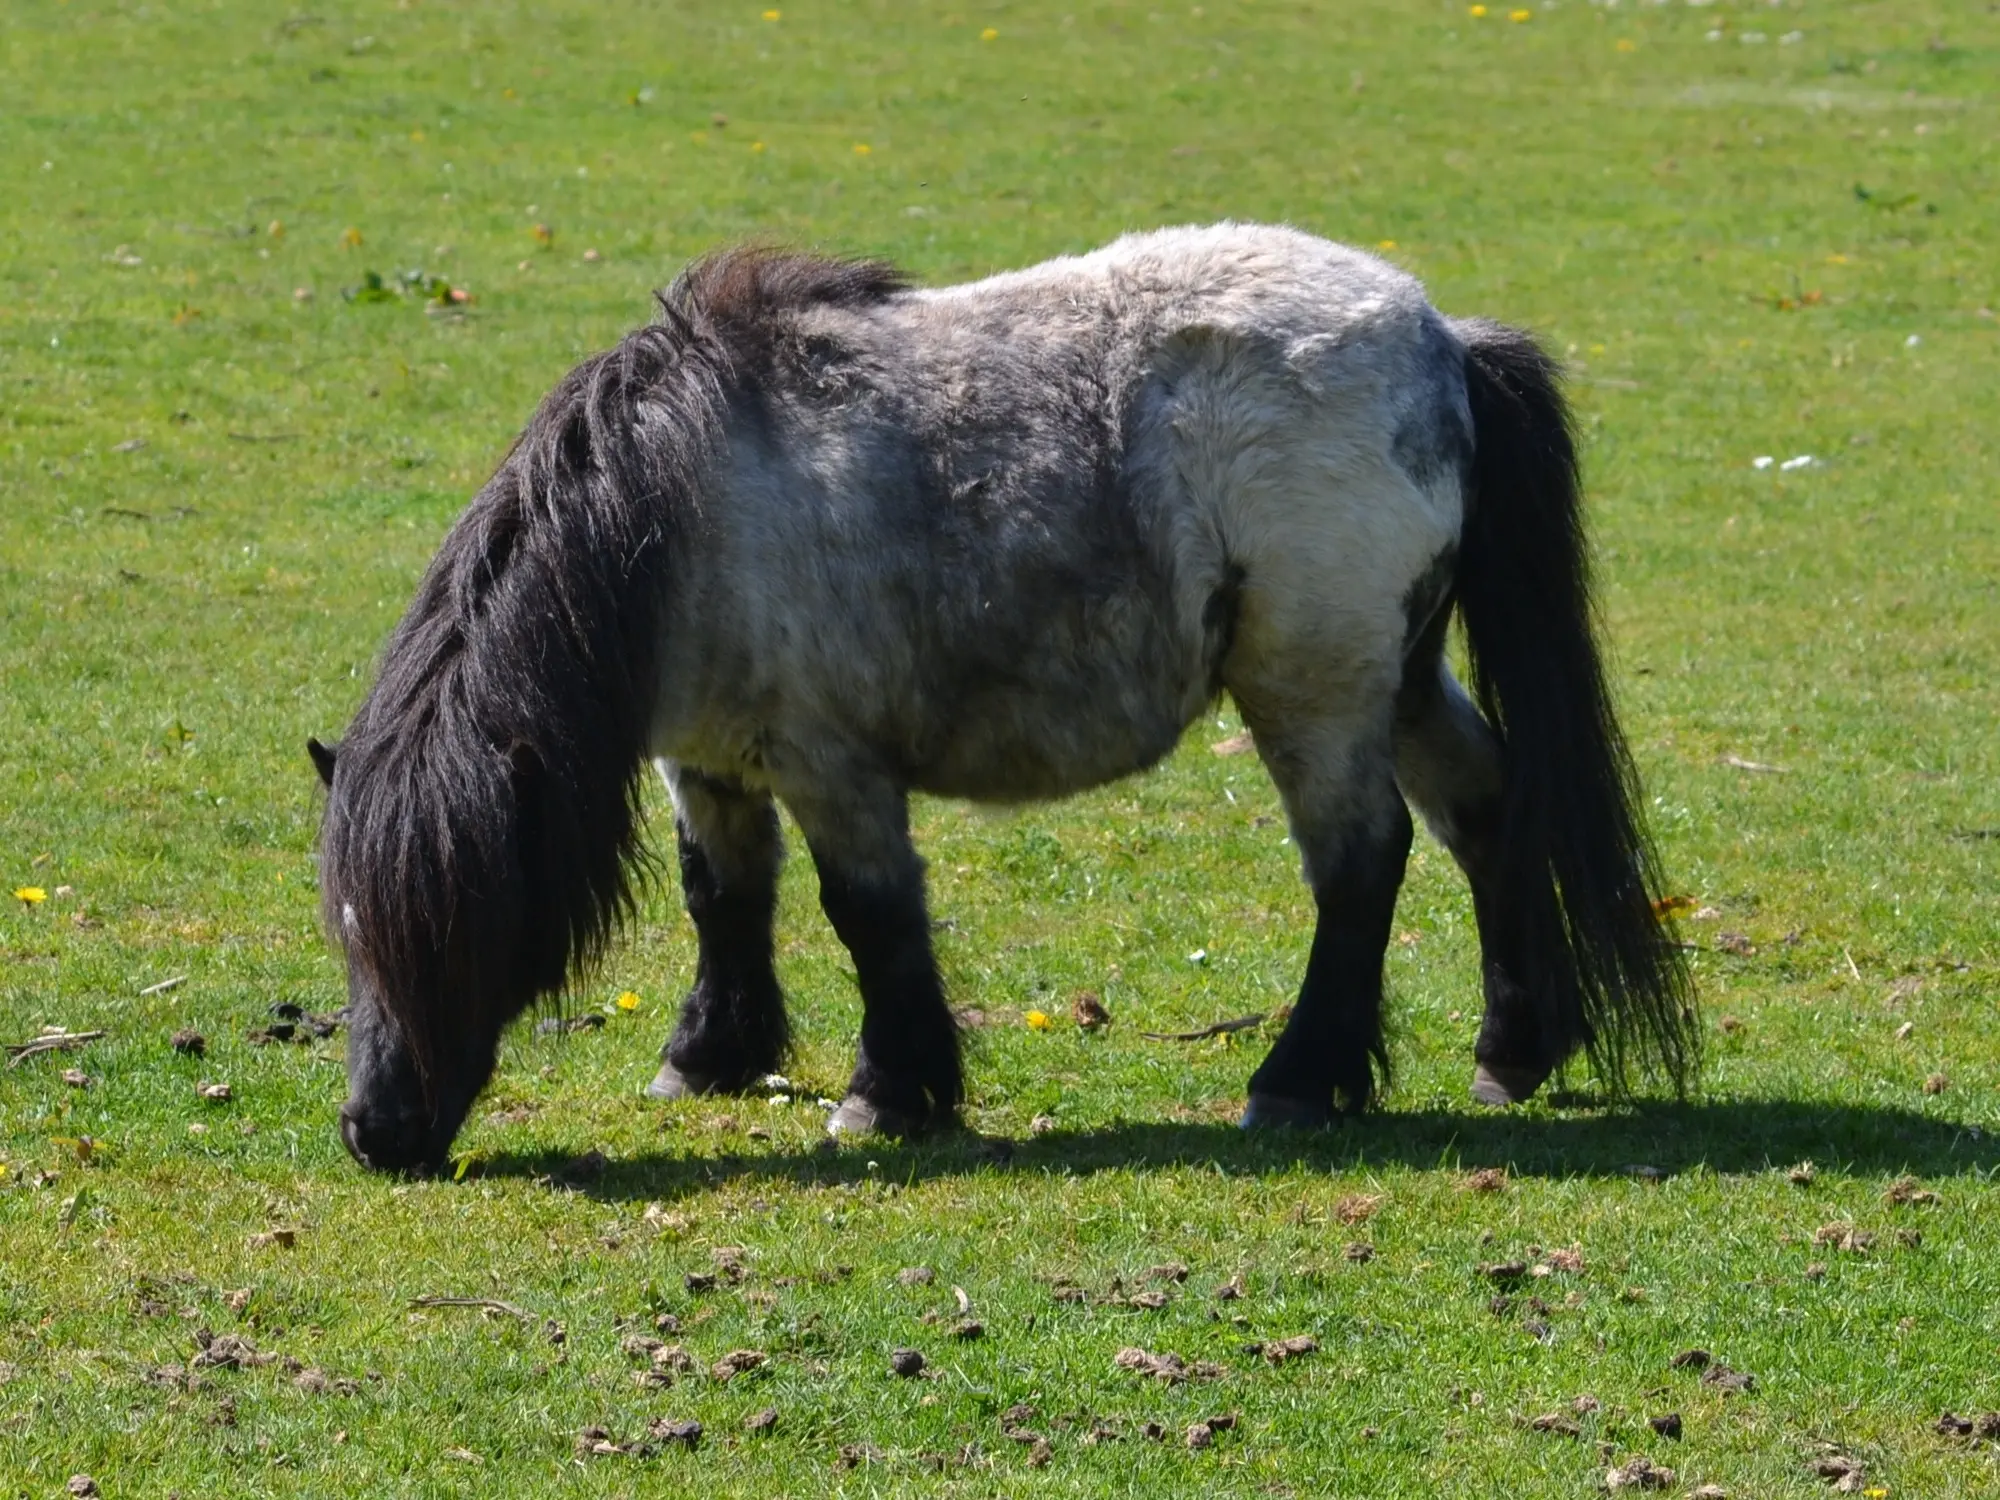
[322, 759]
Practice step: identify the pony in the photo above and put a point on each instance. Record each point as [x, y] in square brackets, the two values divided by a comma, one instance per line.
[819, 536]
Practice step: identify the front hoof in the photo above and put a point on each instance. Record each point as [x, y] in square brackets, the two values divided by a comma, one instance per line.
[671, 1083]
[1499, 1085]
[1273, 1112]
[857, 1116]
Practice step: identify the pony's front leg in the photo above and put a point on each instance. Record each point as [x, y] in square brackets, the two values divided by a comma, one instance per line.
[1354, 833]
[732, 1028]
[907, 1077]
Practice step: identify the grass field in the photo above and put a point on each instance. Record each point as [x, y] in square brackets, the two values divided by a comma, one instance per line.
[1756, 230]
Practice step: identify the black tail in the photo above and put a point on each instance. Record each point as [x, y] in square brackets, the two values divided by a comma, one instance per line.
[1601, 967]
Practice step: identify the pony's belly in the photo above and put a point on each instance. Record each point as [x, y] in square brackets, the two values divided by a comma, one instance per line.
[1030, 748]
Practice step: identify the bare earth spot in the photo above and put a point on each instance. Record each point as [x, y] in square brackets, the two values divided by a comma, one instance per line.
[907, 1363]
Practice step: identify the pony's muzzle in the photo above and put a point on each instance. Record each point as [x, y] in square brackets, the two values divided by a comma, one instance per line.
[399, 1145]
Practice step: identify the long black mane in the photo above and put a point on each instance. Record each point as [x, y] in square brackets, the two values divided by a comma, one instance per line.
[483, 822]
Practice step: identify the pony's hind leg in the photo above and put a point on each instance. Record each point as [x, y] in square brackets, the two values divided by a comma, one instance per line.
[732, 1028]
[1353, 831]
[1448, 764]
[907, 1076]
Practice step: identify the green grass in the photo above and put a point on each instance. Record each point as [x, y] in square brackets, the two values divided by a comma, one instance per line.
[1747, 248]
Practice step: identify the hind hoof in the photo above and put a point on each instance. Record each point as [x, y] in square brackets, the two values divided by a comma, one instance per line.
[671, 1083]
[1272, 1112]
[1499, 1085]
[857, 1116]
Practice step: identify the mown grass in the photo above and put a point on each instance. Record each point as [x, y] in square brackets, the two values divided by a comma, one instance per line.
[215, 496]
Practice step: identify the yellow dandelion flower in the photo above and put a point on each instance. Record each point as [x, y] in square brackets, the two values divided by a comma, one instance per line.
[1477, 12]
[991, 33]
[774, 15]
[1626, 44]
[351, 237]
[30, 895]
[1038, 1020]
[862, 148]
[417, 135]
[628, 1000]
[1385, 244]
[756, 145]
[1518, 16]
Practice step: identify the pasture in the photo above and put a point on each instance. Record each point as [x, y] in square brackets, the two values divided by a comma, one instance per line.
[278, 287]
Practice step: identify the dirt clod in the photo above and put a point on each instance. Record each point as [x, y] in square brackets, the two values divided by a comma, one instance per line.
[1148, 1301]
[1358, 1208]
[915, 1276]
[1168, 1367]
[1937, 1083]
[1844, 1237]
[1846, 1475]
[967, 1329]
[737, 1362]
[190, 1043]
[1505, 1272]
[699, 1281]
[1949, 1425]
[1175, 1272]
[1639, 1473]
[1278, 1351]
[1908, 1190]
[1802, 1175]
[283, 1239]
[1691, 1359]
[76, 1078]
[1486, 1180]
[906, 1362]
[1041, 1124]
[1667, 1424]
[1556, 1422]
[1088, 1011]
[761, 1421]
[82, 1485]
[214, 1093]
[1230, 1290]
[227, 1351]
[1722, 1378]
[1359, 1253]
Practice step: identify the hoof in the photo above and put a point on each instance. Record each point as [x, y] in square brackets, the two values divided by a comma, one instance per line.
[1499, 1085]
[1271, 1112]
[856, 1116]
[671, 1083]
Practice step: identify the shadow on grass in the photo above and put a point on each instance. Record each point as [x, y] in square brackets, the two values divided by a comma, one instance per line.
[1734, 1137]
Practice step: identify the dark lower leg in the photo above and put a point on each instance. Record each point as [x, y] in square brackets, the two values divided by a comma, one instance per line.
[1332, 1048]
[907, 1076]
[732, 1028]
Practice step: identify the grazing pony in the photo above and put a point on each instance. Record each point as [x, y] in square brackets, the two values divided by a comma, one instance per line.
[820, 536]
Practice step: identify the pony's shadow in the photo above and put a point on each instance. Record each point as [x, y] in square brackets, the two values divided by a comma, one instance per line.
[1646, 1142]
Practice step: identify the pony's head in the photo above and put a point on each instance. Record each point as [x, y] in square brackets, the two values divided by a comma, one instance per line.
[442, 947]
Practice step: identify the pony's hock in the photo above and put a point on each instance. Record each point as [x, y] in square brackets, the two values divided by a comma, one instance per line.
[815, 535]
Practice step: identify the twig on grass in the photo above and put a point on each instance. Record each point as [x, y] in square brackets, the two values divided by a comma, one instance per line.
[486, 1304]
[54, 1041]
[1220, 1028]
[164, 985]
